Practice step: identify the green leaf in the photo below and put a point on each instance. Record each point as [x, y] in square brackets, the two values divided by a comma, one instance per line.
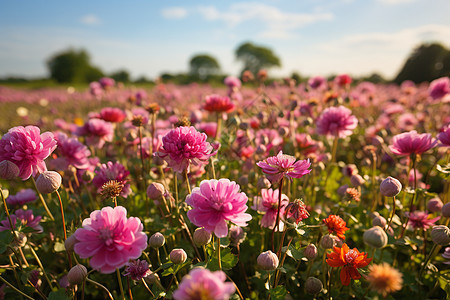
[228, 260]
[175, 268]
[5, 240]
[58, 295]
[278, 293]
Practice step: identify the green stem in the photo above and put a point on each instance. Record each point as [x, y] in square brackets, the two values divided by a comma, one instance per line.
[119, 279]
[277, 220]
[64, 226]
[187, 181]
[14, 288]
[427, 260]
[219, 126]
[7, 214]
[41, 266]
[42, 200]
[218, 254]
[334, 149]
[148, 289]
[392, 216]
[101, 286]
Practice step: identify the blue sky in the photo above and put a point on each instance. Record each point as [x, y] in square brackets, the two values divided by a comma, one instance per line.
[312, 37]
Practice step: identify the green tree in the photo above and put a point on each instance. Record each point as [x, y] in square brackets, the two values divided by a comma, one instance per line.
[121, 76]
[256, 57]
[72, 66]
[426, 63]
[203, 66]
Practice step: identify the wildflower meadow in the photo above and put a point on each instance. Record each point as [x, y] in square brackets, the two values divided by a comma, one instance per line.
[324, 189]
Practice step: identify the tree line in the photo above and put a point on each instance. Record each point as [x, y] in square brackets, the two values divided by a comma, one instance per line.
[426, 63]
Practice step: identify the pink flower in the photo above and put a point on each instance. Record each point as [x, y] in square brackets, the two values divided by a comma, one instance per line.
[282, 165]
[112, 171]
[336, 121]
[407, 143]
[268, 203]
[439, 88]
[112, 114]
[204, 284]
[446, 255]
[210, 128]
[185, 145]
[444, 136]
[26, 217]
[22, 197]
[232, 82]
[217, 103]
[70, 152]
[214, 203]
[296, 211]
[317, 82]
[110, 239]
[97, 132]
[420, 220]
[107, 82]
[27, 148]
[95, 89]
[137, 269]
[343, 80]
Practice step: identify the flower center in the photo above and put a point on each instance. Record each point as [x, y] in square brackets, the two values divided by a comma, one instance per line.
[350, 256]
[198, 292]
[106, 235]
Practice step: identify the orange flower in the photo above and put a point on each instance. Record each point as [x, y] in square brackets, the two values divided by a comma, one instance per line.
[384, 279]
[349, 260]
[336, 225]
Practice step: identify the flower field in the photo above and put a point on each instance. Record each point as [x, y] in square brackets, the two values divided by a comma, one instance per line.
[319, 190]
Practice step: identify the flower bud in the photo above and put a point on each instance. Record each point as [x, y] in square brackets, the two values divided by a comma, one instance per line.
[243, 180]
[440, 235]
[178, 256]
[201, 237]
[263, 183]
[21, 239]
[327, 242]
[390, 187]
[155, 191]
[8, 170]
[151, 278]
[313, 285]
[77, 274]
[375, 237]
[157, 240]
[310, 252]
[342, 190]
[377, 140]
[237, 235]
[445, 211]
[435, 205]
[357, 180]
[261, 149]
[70, 242]
[48, 182]
[379, 221]
[267, 261]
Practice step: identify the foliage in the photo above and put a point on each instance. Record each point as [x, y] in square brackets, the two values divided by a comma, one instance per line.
[203, 66]
[256, 57]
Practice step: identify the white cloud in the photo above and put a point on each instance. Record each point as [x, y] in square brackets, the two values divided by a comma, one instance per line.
[174, 13]
[90, 20]
[276, 23]
[395, 2]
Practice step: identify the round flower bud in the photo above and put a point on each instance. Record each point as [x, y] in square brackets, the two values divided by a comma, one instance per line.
[374, 214]
[155, 191]
[48, 182]
[8, 170]
[379, 221]
[267, 261]
[70, 242]
[157, 240]
[77, 274]
[151, 278]
[440, 235]
[263, 183]
[313, 285]
[327, 242]
[357, 180]
[201, 237]
[261, 149]
[178, 256]
[445, 211]
[377, 140]
[435, 205]
[375, 237]
[390, 187]
[237, 235]
[243, 180]
[342, 190]
[310, 252]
